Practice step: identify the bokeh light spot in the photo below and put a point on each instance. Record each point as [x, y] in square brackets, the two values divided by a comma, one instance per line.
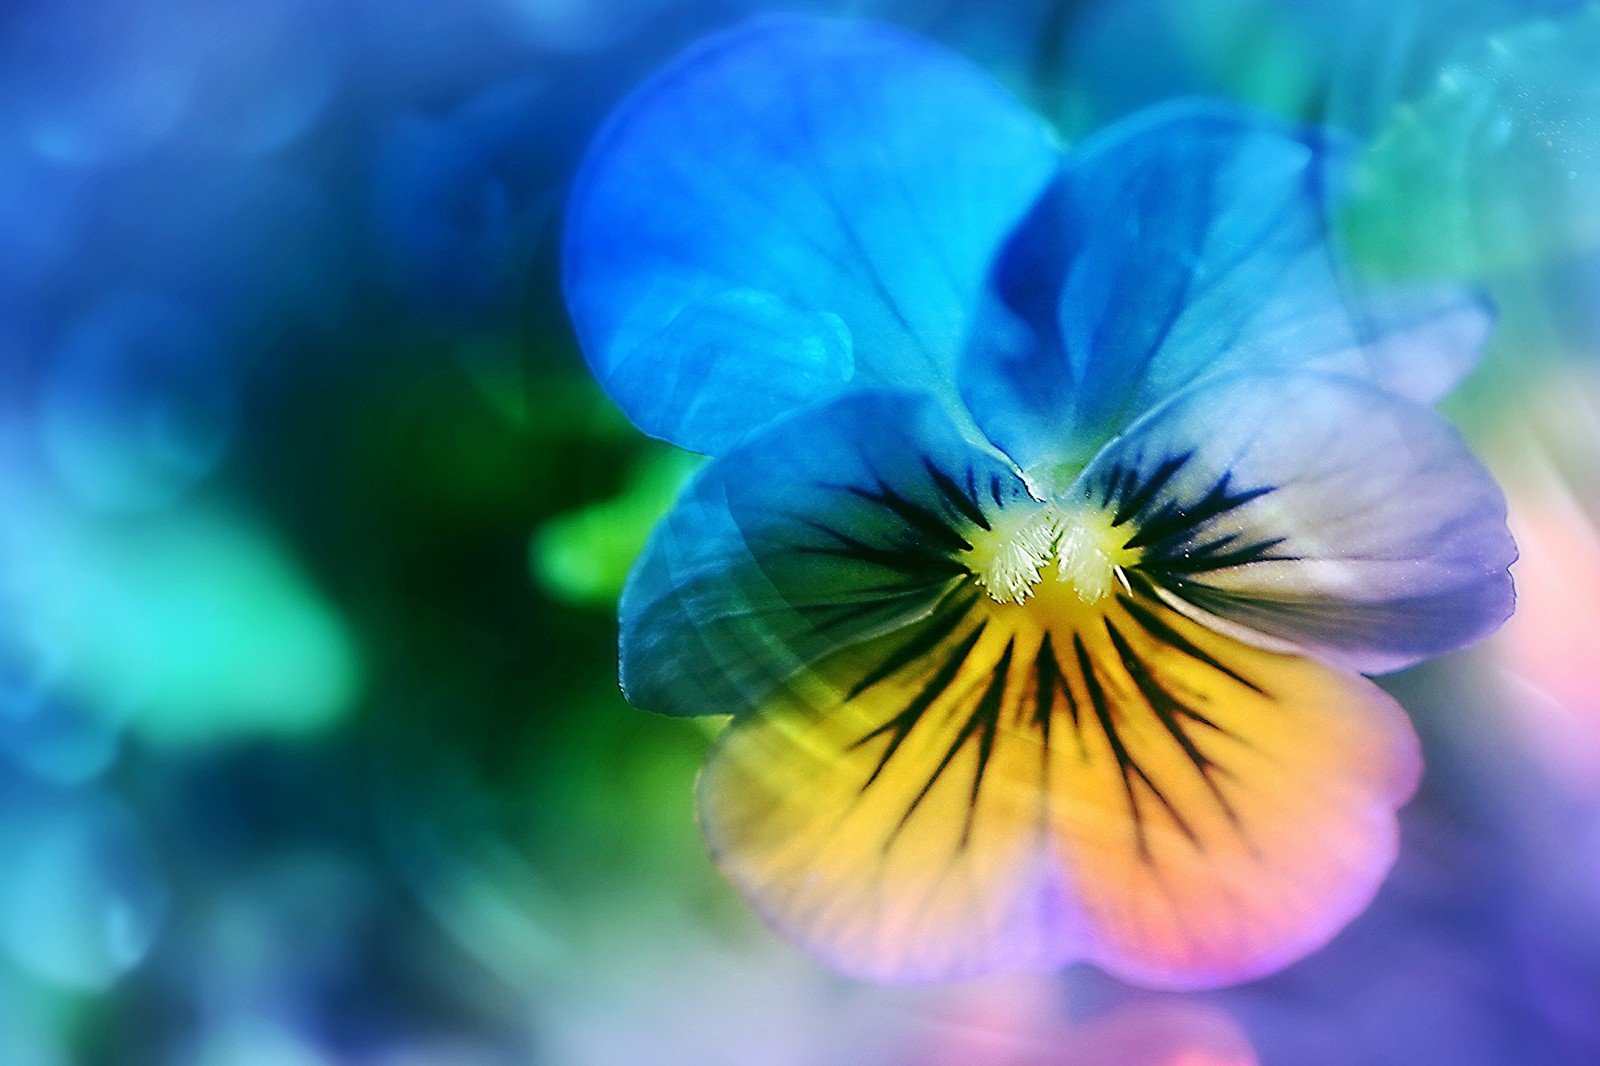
[81, 901]
[197, 625]
[584, 556]
[140, 404]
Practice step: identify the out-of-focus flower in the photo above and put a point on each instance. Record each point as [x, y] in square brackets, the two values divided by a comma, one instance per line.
[1484, 163]
[100, 82]
[41, 223]
[254, 243]
[1550, 458]
[1058, 505]
[575, 25]
[1264, 52]
[269, 69]
[109, 80]
[1496, 165]
[785, 1013]
[42, 729]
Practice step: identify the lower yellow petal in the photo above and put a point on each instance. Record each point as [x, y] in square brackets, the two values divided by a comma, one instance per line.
[1034, 788]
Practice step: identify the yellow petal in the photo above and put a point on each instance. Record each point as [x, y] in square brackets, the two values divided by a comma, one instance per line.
[1049, 783]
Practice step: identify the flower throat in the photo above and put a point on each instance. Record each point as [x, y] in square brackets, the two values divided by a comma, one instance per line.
[1014, 557]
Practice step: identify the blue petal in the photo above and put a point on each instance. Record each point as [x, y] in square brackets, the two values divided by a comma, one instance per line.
[832, 527]
[1313, 511]
[793, 208]
[1189, 240]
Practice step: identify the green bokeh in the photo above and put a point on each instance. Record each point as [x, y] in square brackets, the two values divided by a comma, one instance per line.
[192, 625]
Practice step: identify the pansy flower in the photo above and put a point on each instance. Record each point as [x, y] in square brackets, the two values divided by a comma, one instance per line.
[1059, 501]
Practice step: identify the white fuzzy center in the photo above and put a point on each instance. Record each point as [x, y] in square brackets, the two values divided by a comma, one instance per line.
[1011, 558]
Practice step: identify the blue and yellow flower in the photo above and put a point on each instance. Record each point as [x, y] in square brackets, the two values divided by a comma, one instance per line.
[1059, 502]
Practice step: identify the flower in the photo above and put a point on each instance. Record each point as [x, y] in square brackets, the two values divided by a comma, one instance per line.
[1058, 502]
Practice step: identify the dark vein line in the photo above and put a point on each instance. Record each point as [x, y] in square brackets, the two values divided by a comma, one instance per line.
[1050, 679]
[961, 501]
[1174, 519]
[1257, 552]
[915, 516]
[988, 714]
[984, 720]
[924, 641]
[903, 561]
[1167, 708]
[1127, 766]
[1112, 488]
[1169, 636]
[1134, 505]
[1162, 702]
[901, 724]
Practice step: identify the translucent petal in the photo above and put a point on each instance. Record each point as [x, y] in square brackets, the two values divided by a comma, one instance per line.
[792, 208]
[1189, 240]
[829, 528]
[1050, 784]
[1313, 510]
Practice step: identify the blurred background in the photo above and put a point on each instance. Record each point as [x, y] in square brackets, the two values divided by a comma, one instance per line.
[312, 524]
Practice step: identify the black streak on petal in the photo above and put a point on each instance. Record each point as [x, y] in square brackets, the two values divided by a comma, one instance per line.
[1165, 634]
[1127, 766]
[937, 530]
[927, 638]
[1167, 708]
[911, 563]
[982, 722]
[1172, 521]
[900, 726]
[963, 502]
[1130, 508]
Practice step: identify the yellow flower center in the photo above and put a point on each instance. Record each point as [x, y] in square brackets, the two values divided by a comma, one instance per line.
[1012, 558]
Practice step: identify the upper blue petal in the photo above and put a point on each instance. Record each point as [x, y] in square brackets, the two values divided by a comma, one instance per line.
[1189, 240]
[792, 209]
